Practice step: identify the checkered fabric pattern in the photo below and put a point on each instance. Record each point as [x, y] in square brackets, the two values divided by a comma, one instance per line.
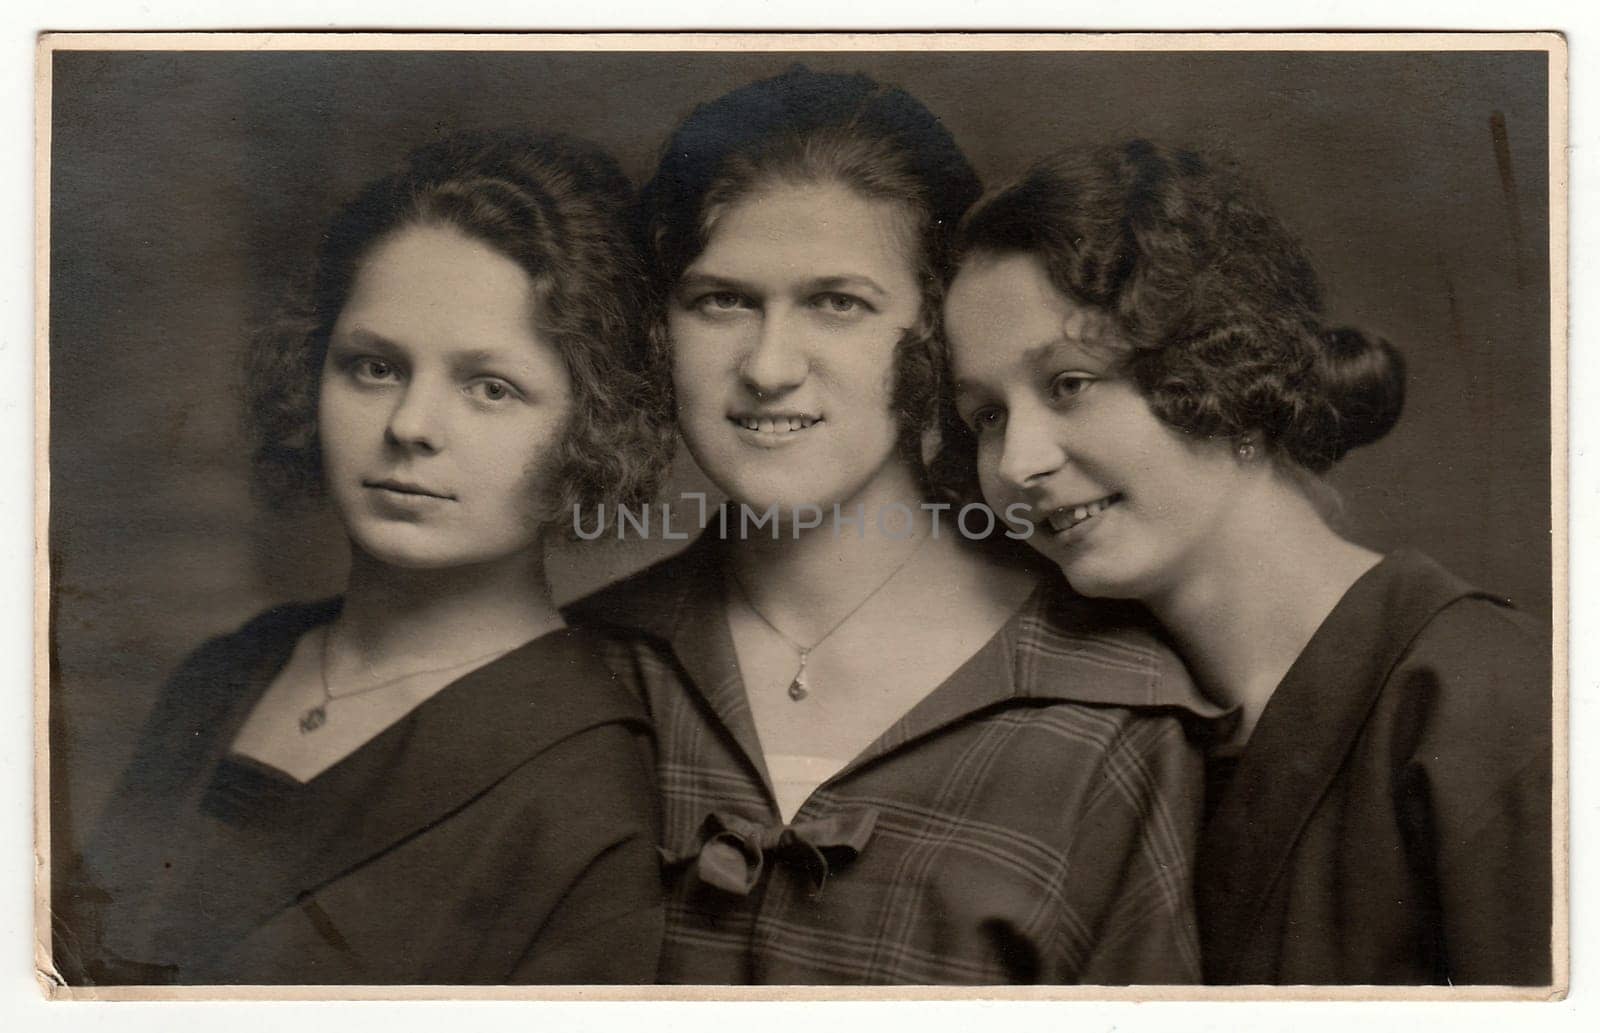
[1032, 820]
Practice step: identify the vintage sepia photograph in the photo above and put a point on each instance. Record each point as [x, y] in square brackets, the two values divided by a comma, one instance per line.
[675, 513]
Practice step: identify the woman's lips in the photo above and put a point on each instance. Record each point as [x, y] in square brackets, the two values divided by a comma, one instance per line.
[776, 423]
[1065, 518]
[406, 488]
[773, 431]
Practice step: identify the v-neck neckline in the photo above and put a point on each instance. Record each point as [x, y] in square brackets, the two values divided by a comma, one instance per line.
[1061, 628]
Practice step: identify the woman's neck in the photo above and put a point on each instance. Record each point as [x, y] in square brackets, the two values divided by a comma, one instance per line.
[393, 617]
[806, 580]
[1243, 611]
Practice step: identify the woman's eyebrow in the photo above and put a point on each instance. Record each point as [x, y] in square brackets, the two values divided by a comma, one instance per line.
[363, 337]
[474, 357]
[702, 280]
[711, 281]
[1062, 347]
[846, 281]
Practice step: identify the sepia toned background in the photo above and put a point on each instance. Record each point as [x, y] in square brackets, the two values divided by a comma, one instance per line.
[187, 190]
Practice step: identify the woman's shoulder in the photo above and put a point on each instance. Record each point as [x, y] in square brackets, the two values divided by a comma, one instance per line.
[1482, 659]
[551, 689]
[1461, 670]
[267, 631]
[1432, 617]
[1103, 651]
[571, 673]
[1470, 629]
[216, 668]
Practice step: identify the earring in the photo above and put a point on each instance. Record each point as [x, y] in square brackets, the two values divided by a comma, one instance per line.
[1245, 449]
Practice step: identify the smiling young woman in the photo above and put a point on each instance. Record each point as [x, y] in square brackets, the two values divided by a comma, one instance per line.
[379, 788]
[886, 756]
[1139, 361]
[783, 337]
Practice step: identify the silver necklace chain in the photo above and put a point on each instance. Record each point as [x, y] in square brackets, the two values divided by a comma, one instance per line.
[799, 688]
[314, 717]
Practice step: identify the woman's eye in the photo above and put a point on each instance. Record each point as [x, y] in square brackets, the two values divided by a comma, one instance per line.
[492, 389]
[839, 304]
[374, 370]
[986, 419]
[720, 301]
[1069, 385]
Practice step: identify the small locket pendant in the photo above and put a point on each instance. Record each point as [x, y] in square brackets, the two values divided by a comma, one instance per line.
[313, 719]
[798, 690]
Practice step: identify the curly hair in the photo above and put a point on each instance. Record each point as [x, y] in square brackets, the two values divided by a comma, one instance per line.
[809, 127]
[562, 210]
[1214, 301]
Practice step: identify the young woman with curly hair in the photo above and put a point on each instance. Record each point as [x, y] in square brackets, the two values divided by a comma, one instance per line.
[1139, 359]
[430, 779]
[886, 755]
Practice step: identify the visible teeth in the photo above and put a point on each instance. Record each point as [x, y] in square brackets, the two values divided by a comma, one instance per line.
[777, 424]
[1067, 517]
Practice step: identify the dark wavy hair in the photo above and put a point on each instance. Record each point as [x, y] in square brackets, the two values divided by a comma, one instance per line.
[808, 127]
[562, 210]
[1214, 301]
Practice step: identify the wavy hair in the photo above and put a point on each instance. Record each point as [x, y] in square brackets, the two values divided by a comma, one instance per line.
[562, 210]
[1214, 301]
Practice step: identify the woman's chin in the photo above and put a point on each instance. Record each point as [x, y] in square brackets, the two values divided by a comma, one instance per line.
[412, 552]
[1097, 579]
[406, 559]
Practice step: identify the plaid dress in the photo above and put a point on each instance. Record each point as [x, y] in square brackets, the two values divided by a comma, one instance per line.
[1032, 820]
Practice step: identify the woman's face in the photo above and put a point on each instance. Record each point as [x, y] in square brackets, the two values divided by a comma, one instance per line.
[783, 334]
[1122, 502]
[440, 405]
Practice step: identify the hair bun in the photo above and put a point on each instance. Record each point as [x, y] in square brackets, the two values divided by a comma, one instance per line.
[1364, 377]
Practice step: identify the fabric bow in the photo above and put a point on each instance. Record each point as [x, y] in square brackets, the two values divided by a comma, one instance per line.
[733, 850]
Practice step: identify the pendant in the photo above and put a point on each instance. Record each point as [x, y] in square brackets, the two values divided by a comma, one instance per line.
[313, 719]
[798, 690]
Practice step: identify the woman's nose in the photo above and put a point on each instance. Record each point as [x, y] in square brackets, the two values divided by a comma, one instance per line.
[1032, 449]
[777, 361]
[417, 419]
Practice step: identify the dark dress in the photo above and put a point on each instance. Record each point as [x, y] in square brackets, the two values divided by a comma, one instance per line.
[1031, 820]
[1389, 820]
[502, 832]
